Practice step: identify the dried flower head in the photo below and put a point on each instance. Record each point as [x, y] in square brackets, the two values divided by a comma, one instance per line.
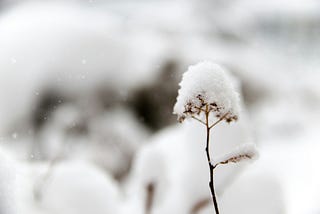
[244, 152]
[207, 87]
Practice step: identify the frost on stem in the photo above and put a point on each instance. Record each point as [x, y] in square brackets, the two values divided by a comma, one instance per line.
[244, 152]
[207, 87]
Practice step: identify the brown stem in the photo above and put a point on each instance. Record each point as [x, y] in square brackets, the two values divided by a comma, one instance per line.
[197, 119]
[211, 167]
[150, 197]
[218, 121]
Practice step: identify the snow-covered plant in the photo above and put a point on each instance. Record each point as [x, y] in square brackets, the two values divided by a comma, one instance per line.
[206, 87]
[207, 95]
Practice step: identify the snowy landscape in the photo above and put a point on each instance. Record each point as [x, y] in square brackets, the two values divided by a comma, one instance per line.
[88, 89]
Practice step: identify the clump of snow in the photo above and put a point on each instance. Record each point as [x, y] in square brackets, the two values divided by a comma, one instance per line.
[244, 152]
[115, 137]
[154, 169]
[80, 187]
[149, 181]
[207, 85]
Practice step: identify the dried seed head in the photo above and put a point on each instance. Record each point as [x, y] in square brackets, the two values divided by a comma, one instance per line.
[244, 152]
[206, 87]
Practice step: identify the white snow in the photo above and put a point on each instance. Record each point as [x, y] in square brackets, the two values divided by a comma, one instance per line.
[8, 187]
[258, 192]
[175, 161]
[69, 48]
[74, 47]
[79, 187]
[207, 83]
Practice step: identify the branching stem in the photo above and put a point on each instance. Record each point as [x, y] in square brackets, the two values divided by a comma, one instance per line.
[211, 167]
[199, 120]
[218, 121]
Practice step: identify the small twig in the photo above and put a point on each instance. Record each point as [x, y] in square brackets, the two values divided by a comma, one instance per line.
[199, 120]
[199, 206]
[233, 160]
[150, 197]
[200, 109]
[244, 152]
[218, 121]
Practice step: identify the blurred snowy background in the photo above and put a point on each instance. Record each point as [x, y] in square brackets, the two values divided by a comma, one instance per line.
[87, 89]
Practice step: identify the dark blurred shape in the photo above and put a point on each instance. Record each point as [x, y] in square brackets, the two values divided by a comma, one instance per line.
[252, 93]
[230, 37]
[47, 104]
[153, 103]
[108, 97]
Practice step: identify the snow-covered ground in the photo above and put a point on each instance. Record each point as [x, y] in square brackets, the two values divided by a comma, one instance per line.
[87, 90]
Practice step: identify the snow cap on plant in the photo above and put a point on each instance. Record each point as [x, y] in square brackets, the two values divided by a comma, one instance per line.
[206, 86]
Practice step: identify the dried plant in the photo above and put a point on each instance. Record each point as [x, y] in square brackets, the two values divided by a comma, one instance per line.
[244, 152]
[207, 95]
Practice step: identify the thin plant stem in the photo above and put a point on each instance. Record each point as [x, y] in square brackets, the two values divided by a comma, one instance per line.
[211, 167]
[218, 121]
[199, 120]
